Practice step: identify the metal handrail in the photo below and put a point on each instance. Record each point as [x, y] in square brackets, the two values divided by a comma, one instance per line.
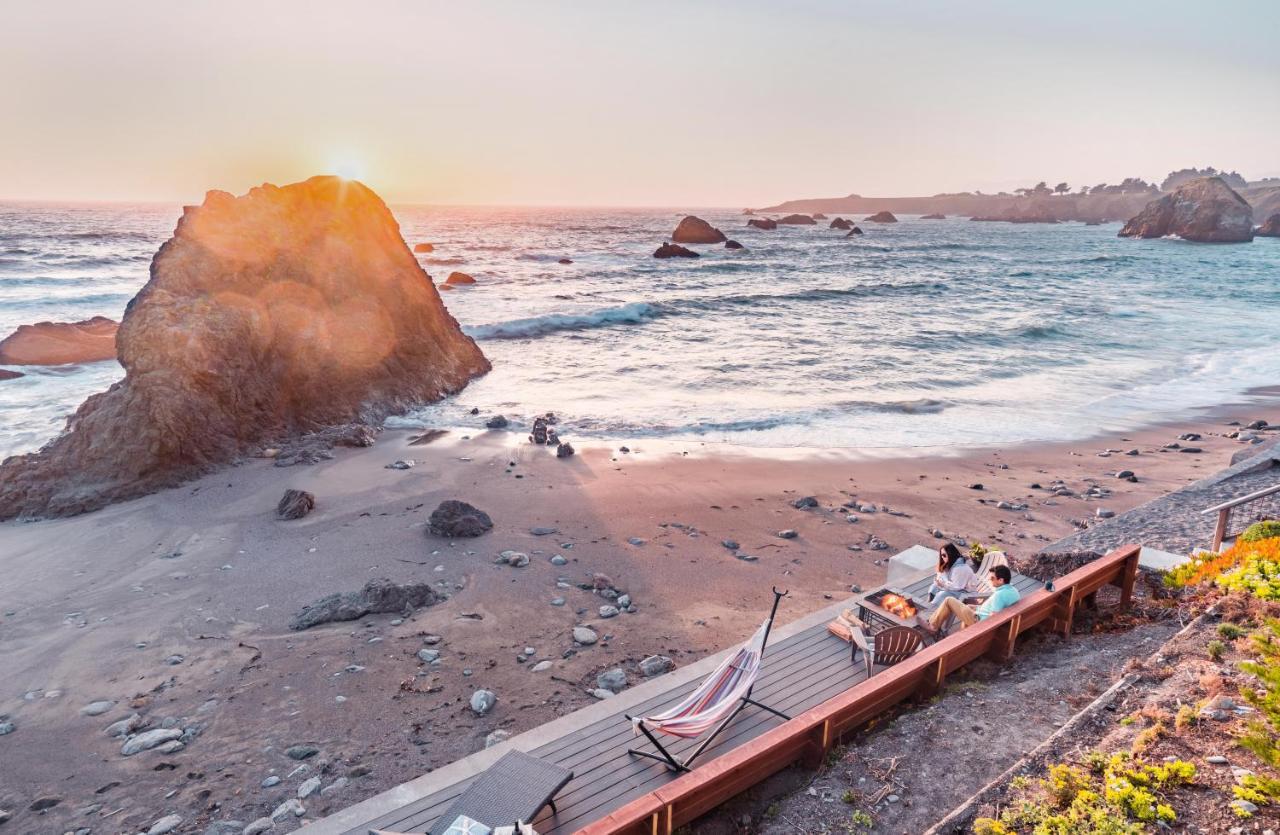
[1265, 491]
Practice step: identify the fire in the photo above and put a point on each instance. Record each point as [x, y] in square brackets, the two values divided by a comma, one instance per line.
[898, 605]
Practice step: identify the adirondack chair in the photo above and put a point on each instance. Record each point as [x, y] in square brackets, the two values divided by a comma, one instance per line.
[989, 561]
[887, 647]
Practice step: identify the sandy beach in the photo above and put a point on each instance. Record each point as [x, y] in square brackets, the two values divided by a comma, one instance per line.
[176, 606]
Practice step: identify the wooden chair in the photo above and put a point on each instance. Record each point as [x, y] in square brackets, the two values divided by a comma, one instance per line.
[990, 561]
[887, 647]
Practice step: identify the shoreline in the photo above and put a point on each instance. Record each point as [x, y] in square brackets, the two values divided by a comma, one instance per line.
[97, 607]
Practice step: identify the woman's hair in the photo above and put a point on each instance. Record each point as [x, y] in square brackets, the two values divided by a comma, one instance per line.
[948, 556]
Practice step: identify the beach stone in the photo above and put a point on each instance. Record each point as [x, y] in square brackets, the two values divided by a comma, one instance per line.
[497, 422]
[210, 374]
[601, 581]
[301, 752]
[335, 787]
[542, 666]
[457, 519]
[125, 726]
[291, 808]
[557, 601]
[427, 656]
[564, 450]
[585, 635]
[165, 825]
[731, 544]
[805, 503]
[147, 740]
[613, 680]
[431, 640]
[97, 708]
[1244, 806]
[308, 787]
[231, 827]
[377, 596]
[695, 230]
[541, 531]
[1216, 759]
[608, 611]
[400, 464]
[259, 826]
[173, 746]
[496, 738]
[636, 541]
[42, 804]
[557, 559]
[624, 602]
[517, 559]
[482, 701]
[656, 665]
[272, 780]
[295, 504]
[1104, 513]
[788, 533]
[602, 694]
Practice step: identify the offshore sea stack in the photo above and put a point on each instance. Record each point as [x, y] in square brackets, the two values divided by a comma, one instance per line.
[60, 343]
[1270, 228]
[695, 230]
[1204, 209]
[283, 311]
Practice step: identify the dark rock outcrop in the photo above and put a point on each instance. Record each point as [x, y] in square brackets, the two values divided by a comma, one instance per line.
[497, 422]
[766, 223]
[564, 261]
[854, 232]
[733, 245]
[695, 230]
[377, 596]
[424, 248]
[457, 520]
[456, 278]
[1205, 210]
[314, 447]
[1270, 228]
[61, 343]
[883, 217]
[295, 504]
[670, 250]
[797, 220]
[819, 216]
[934, 216]
[6, 374]
[841, 223]
[280, 312]
[564, 450]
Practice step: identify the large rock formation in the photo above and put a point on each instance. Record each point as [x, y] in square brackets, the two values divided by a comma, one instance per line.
[797, 220]
[670, 250]
[282, 311]
[766, 223]
[883, 217]
[841, 223]
[695, 230]
[1204, 210]
[60, 343]
[1270, 228]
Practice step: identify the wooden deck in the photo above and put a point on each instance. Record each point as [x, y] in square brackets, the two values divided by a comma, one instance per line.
[800, 671]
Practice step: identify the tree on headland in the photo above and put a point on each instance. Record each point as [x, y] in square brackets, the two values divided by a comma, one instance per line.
[1177, 178]
[1061, 188]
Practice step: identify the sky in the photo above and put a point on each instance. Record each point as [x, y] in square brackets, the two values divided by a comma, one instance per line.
[645, 103]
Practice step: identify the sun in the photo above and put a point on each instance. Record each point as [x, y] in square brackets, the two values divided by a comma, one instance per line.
[347, 167]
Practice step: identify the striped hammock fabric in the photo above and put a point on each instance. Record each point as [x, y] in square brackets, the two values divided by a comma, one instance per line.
[718, 695]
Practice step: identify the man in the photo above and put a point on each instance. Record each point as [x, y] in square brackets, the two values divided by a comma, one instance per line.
[1004, 596]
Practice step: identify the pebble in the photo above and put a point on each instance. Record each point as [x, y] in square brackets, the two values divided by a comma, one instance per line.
[291, 807]
[259, 826]
[125, 726]
[585, 635]
[147, 740]
[496, 738]
[308, 787]
[400, 465]
[273, 780]
[166, 824]
[636, 541]
[806, 502]
[788, 534]
[557, 601]
[613, 680]
[6, 726]
[540, 531]
[174, 660]
[97, 708]
[656, 665]
[519, 559]
[428, 656]
[225, 828]
[866, 508]
[1105, 513]
[558, 560]
[542, 666]
[431, 640]
[173, 746]
[601, 693]
[335, 787]
[482, 701]
[608, 611]
[1244, 806]
[301, 752]
[1216, 759]
[731, 544]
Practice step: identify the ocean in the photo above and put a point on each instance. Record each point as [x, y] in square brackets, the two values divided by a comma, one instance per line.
[929, 334]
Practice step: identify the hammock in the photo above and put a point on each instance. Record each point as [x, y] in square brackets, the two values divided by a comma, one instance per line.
[719, 694]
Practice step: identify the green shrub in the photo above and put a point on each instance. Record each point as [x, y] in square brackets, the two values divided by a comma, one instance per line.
[1258, 531]
[1216, 649]
[1229, 631]
[1261, 737]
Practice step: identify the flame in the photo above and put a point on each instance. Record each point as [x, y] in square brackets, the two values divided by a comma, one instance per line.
[898, 605]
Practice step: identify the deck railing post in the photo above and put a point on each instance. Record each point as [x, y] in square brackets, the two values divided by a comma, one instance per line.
[1002, 642]
[1220, 529]
[1128, 577]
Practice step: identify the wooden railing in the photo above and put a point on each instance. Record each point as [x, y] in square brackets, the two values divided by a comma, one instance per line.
[1236, 515]
[807, 738]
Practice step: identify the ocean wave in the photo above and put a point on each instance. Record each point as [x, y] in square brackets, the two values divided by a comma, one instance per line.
[452, 261]
[918, 406]
[628, 314]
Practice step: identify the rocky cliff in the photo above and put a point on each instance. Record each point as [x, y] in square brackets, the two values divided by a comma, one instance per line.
[1205, 210]
[282, 311]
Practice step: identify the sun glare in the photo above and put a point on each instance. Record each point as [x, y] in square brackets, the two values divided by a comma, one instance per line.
[347, 167]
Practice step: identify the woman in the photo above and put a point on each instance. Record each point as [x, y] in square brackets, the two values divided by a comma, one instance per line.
[955, 577]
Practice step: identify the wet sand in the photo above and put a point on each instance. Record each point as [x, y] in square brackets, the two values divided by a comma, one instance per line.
[176, 606]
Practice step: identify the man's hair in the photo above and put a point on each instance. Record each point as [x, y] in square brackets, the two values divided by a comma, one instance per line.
[1003, 572]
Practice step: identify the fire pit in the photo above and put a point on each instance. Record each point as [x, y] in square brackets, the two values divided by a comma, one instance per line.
[889, 605]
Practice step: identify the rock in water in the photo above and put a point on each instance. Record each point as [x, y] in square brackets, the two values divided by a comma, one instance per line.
[1205, 210]
[60, 343]
[295, 504]
[855, 231]
[456, 278]
[266, 315]
[695, 230]
[424, 248]
[670, 250]
[797, 220]
[732, 245]
[841, 223]
[458, 519]
[883, 217]
[6, 374]
[1270, 227]
[377, 596]
[934, 216]
[766, 223]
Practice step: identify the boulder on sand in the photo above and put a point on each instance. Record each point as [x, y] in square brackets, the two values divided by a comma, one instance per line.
[295, 504]
[61, 343]
[282, 311]
[670, 250]
[695, 230]
[841, 223]
[798, 220]
[1270, 228]
[458, 519]
[456, 278]
[1205, 210]
[883, 217]
[766, 223]
[377, 596]
[424, 248]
